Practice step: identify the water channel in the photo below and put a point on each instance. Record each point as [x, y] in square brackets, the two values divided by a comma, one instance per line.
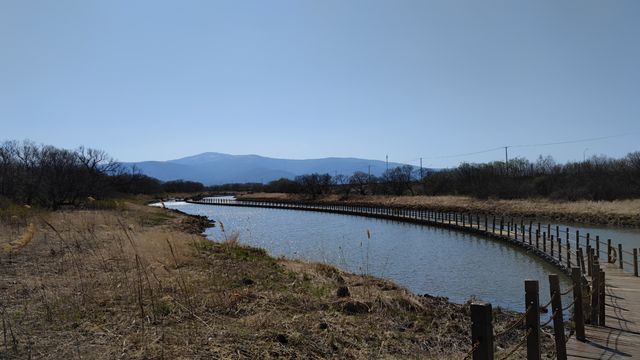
[424, 259]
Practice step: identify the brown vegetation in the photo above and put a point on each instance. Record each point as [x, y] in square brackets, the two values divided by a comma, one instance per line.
[140, 282]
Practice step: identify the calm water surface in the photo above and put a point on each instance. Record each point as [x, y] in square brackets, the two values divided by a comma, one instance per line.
[422, 258]
[628, 237]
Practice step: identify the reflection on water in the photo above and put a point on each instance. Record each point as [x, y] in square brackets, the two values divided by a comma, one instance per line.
[422, 258]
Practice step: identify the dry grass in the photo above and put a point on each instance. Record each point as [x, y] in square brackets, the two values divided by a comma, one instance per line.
[140, 282]
[22, 241]
[619, 212]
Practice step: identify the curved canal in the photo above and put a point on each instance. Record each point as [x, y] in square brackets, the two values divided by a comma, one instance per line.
[425, 259]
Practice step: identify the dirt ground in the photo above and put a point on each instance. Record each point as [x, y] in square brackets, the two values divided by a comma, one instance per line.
[137, 282]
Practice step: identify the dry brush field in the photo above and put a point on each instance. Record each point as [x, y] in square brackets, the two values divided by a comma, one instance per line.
[138, 282]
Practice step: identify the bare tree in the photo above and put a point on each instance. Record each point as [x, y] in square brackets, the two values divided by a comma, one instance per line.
[360, 180]
[399, 179]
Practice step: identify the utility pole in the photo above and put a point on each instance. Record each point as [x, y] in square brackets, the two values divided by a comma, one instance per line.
[421, 169]
[369, 174]
[506, 158]
[387, 162]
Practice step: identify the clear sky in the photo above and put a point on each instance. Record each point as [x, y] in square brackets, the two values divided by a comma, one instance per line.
[155, 80]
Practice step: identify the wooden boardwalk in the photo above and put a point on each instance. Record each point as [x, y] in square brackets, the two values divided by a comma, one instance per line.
[618, 339]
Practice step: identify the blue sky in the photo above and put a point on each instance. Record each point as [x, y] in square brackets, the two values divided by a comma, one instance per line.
[305, 79]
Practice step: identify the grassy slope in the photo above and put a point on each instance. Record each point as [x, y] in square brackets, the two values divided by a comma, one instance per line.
[139, 282]
[620, 212]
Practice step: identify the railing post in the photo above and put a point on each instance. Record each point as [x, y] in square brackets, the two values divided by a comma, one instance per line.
[556, 312]
[609, 250]
[578, 312]
[551, 243]
[595, 294]
[601, 299]
[532, 306]
[544, 242]
[482, 331]
[577, 239]
[635, 262]
[559, 249]
[568, 245]
[537, 239]
[620, 256]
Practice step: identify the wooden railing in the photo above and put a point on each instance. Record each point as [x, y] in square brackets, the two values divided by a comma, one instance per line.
[552, 244]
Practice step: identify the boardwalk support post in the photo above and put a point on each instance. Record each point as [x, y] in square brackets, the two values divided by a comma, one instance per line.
[532, 306]
[482, 331]
[556, 312]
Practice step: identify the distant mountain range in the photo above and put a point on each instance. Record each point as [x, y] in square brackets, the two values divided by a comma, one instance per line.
[212, 168]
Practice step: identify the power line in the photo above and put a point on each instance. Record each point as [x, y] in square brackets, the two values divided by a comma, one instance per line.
[574, 141]
[528, 145]
[465, 154]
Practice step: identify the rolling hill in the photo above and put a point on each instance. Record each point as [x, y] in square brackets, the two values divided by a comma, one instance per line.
[213, 168]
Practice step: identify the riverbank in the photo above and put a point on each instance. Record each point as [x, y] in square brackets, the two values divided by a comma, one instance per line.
[624, 213]
[141, 282]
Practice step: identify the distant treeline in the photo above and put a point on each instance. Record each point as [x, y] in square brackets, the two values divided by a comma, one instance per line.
[51, 177]
[398, 181]
[598, 178]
